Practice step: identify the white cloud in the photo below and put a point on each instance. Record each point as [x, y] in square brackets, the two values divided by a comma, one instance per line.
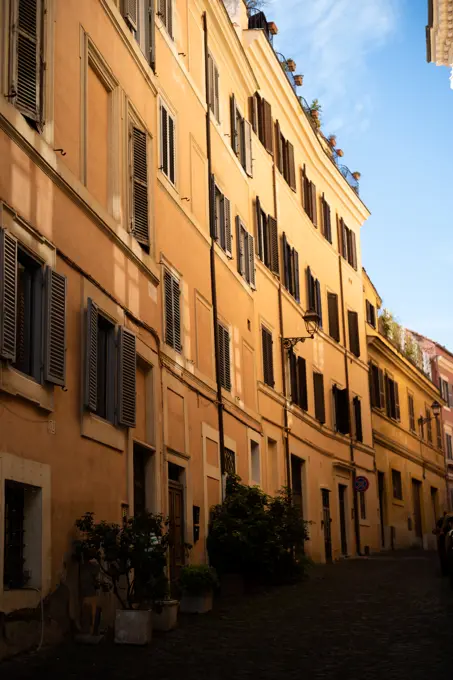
[330, 41]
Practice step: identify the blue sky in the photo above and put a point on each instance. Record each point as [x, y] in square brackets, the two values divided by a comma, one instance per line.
[365, 60]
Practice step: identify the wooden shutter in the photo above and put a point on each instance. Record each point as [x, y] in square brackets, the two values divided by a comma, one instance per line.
[318, 301]
[213, 216]
[248, 148]
[388, 400]
[268, 362]
[320, 408]
[211, 83]
[224, 357]
[126, 378]
[334, 321]
[91, 361]
[26, 56]
[131, 13]
[273, 245]
[358, 419]
[397, 401]
[8, 295]
[227, 225]
[314, 207]
[382, 391]
[251, 260]
[278, 147]
[291, 166]
[302, 186]
[172, 149]
[368, 311]
[341, 410]
[343, 239]
[259, 232]
[151, 34]
[311, 291]
[353, 250]
[172, 295]
[302, 383]
[163, 11]
[55, 328]
[170, 18]
[354, 339]
[164, 140]
[327, 222]
[286, 268]
[410, 400]
[240, 246]
[234, 125]
[140, 204]
[253, 111]
[296, 275]
[267, 126]
[293, 375]
[216, 92]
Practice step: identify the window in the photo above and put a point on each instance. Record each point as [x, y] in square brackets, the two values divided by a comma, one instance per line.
[166, 15]
[444, 390]
[33, 318]
[334, 322]
[357, 407]
[371, 314]
[241, 137]
[285, 158]
[266, 238]
[167, 144]
[354, 338]
[224, 356]
[411, 409]
[246, 253]
[110, 368]
[22, 557]
[314, 299]
[26, 59]
[139, 185]
[261, 119]
[392, 398]
[448, 446]
[309, 199]
[298, 380]
[429, 429]
[139, 16]
[172, 306]
[348, 244]
[255, 462]
[397, 485]
[291, 269]
[320, 408]
[377, 386]
[213, 85]
[341, 410]
[221, 218]
[438, 433]
[230, 462]
[326, 223]
[268, 360]
[362, 504]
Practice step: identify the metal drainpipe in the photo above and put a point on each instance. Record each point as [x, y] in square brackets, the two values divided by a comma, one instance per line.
[212, 259]
[351, 441]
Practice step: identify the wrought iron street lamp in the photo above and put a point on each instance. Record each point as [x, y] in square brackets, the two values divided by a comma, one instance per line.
[436, 408]
[311, 320]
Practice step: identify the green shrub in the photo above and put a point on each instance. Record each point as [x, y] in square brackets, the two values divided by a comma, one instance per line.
[197, 579]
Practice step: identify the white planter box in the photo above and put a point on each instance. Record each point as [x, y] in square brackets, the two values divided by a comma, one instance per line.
[196, 604]
[133, 627]
[167, 619]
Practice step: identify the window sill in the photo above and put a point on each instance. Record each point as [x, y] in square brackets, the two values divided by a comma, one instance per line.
[21, 385]
[365, 523]
[103, 432]
[23, 598]
[397, 501]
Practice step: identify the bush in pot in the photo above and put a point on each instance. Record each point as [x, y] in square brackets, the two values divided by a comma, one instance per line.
[197, 582]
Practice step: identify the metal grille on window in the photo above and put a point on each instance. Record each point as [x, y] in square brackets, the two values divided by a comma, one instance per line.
[230, 462]
[13, 573]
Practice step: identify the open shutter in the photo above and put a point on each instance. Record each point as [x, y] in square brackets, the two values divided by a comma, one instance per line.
[314, 207]
[176, 296]
[382, 390]
[342, 410]
[248, 148]
[291, 166]
[164, 140]
[227, 224]
[8, 295]
[267, 126]
[327, 222]
[140, 205]
[55, 328]
[358, 419]
[354, 250]
[273, 239]
[311, 291]
[240, 246]
[234, 126]
[302, 186]
[302, 383]
[293, 375]
[172, 150]
[397, 402]
[388, 400]
[320, 408]
[296, 275]
[354, 340]
[259, 235]
[91, 361]
[278, 147]
[216, 92]
[131, 13]
[26, 67]
[163, 11]
[334, 322]
[213, 216]
[251, 262]
[286, 267]
[318, 301]
[268, 364]
[126, 378]
[151, 34]
[253, 111]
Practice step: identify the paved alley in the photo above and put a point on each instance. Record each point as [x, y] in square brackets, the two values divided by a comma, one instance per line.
[388, 617]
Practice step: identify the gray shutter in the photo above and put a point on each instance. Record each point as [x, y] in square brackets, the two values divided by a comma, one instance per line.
[172, 150]
[251, 262]
[140, 204]
[163, 139]
[8, 295]
[320, 409]
[296, 275]
[267, 126]
[26, 67]
[55, 328]
[126, 378]
[234, 126]
[227, 225]
[151, 34]
[240, 246]
[248, 148]
[91, 360]
[354, 250]
[273, 239]
[216, 92]
[314, 205]
[213, 217]
[169, 22]
[163, 11]
[131, 13]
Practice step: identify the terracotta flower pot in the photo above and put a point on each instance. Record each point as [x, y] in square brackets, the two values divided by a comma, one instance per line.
[340, 153]
[299, 80]
[291, 64]
[332, 141]
[356, 175]
[272, 27]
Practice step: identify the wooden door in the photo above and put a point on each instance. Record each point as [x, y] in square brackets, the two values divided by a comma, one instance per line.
[326, 523]
[416, 486]
[381, 484]
[176, 528]
[342, 490]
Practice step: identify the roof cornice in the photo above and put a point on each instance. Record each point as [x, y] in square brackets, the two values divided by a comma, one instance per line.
[439, 32]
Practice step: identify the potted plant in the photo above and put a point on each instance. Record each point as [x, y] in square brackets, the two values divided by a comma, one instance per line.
[356, 175]
[197, 582]
[299, 80]
[291, 64]
[165, 614]
[340, 153]
[130, 561]
[332, 141]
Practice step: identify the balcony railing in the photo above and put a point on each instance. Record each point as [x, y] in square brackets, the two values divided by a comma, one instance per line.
[284, 64]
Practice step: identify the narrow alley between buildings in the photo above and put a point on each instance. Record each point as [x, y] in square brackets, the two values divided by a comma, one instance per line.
[389, 616]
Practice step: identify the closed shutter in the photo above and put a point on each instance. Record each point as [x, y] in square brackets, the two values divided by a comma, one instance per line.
[151, 34]
[411, 412]
[268, 361]
[311, 291]
[26, 56]
[273, 238]
[358, 419]
[8, 295]
[314, 207]
[334, 322]
[55, 328]
[227, 225]
[293, 375]
[267, 126]
[296, 275]
[397, 401]
[354, 339]
[320, 408]
[291, 166]
[240, 246]
[234, 125]
[286, 268]
[302, 383]
[388, 399]
[172, 150]
[140, 205]
[224, 356]
[213, 216]
[318, 301]
[91, 361]
[172, 296]
[353, 250]
[251, 260]
[164, 140]
[131, 13]
[126, 378]
[382, 390]
[344, 239]
[371, 384]
[327, 221]
[368, 311]
[278, 147]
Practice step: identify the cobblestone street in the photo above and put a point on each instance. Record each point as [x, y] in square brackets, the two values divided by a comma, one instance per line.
[388, 617]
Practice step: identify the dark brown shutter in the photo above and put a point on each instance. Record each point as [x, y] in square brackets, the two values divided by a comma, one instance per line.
[296, 275]
[411, 412]
[8, 295]
[344, 239]
[91, 362]
[368, 311]
[286, 265]
[354, 250]
[140, 205]
[273, 239]
[291, 166]
[226, 354]
[311, 291]
[341, 410]
[213, 216]
[177, 313]
[227, 225]
[253, 112]
[131, 13]
[354, 339]
[164, 139]
[248, 148]
[314, 207]
[234, 125]
[327, 222]
[240, 247]
[302, 383]
[267, 126]
[55, 328]
[320, 408]
[302, 186]
[358, 419]
[26, 55]
[251, 260]
[318, 298]
[126, 377]
[293, 375]
[171, 150]
[334, 321]
[152, 34]
[259, 235]
[268, 362]
[388, 400]
[278, 147]
[381, 386]
[221, 349]
[397, 401]
[172, 299]
[371, 384]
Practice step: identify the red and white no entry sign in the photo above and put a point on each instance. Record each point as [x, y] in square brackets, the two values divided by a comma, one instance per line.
[362, 483]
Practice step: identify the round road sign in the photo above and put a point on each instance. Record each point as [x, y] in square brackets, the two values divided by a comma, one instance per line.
[362, 483]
